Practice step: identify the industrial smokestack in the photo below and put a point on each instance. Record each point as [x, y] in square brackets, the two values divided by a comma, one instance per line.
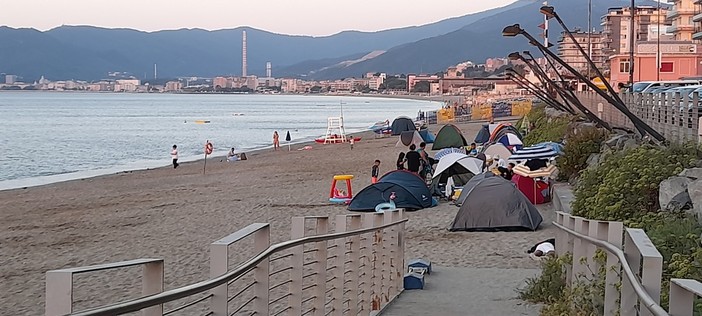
[269, 71]
[243, 54]
[155, 72]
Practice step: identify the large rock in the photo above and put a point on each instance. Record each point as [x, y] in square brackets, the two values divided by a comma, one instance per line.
[694, 189]
[593, 161]
[692, 173]
[671, 188]
[630, 143]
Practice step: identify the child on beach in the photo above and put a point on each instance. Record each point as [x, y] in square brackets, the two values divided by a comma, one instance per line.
[401, 161]
[375, 171]
[351, 141]
[174, 155]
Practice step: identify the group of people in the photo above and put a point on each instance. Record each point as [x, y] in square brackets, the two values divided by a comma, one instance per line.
[417, 160]
[232, 155]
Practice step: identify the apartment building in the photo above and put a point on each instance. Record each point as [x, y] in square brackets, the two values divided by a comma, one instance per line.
[591, 42]
[681, 18]
[697, 21]
[617, 21]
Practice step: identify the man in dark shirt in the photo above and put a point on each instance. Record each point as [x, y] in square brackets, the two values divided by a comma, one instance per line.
[413, 159]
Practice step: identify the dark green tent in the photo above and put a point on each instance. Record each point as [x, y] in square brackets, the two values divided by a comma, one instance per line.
[449, 136]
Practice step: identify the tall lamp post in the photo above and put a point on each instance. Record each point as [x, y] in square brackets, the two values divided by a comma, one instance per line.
[534, 89]
[545, 81]
[641, 126]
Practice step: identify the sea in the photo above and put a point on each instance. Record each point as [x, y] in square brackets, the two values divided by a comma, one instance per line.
[49, 137]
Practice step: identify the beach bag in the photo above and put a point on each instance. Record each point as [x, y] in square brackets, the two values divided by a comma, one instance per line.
[242, 156]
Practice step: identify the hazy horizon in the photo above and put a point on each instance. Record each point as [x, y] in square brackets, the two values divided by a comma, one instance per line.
[284, 18]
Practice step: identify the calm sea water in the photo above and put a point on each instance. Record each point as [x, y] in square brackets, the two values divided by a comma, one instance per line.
[50, 137]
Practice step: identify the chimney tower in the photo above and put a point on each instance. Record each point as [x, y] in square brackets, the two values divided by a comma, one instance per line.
[243, 54]
[269, 71]
[155, 72]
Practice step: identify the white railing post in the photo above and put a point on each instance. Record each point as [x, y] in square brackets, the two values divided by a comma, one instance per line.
[682, 296]
[262, 240]
[391, 259]
[366, 283]
[384, 258]
[629, 300]
[615, 231]
[152, 283]
[59, 293]
[400, 252]
[354, 276]
[579, 249]
[377, 294]
[339, 269]
[219, 264]
[321, 277]
[570, 270]
[652, 266]
[297, 230]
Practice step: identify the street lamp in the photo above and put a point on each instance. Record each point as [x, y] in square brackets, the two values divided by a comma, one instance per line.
[534, 89]
[548, 85]
[550, 13]
[641, 126]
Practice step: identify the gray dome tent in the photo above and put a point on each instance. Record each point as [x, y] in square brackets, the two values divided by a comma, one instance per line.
[402, 124]
[491, 203]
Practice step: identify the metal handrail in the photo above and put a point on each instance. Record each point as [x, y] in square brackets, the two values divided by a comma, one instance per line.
[645, 299]
[199, 287]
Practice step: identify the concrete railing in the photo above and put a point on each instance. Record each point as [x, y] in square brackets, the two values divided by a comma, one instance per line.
[357, 270]
[632, 261]
[675, 116]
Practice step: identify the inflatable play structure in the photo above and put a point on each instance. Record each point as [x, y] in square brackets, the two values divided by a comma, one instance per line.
[491, 203]
[402, 124]
[411, 193]
[449, 136]
[338, 195]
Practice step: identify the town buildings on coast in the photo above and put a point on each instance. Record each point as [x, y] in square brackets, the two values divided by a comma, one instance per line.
[666, 46]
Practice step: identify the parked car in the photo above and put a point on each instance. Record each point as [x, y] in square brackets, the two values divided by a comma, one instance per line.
[647, 86]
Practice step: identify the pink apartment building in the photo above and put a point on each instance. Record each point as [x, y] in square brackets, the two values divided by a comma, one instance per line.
[678, 60]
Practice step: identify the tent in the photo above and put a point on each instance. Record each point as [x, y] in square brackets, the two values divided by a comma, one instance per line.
[402, 124]
[449, 136]
[411, 192]
[492, 203]
[508, 135]
[427, 136]
[497, 149]
[510, 140]
[447, 151]
[455, 166]
[409, 138]
[484, 134]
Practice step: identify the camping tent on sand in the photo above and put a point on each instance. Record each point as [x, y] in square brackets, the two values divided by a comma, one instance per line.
[457, 167]
[409, 138]
[411, 193]
[449, 136]
[490, 203]
[402, 124]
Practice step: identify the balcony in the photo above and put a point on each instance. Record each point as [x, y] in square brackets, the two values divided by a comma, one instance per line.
[681, 28]
[697, 36]
[680, 11]
[697, 17]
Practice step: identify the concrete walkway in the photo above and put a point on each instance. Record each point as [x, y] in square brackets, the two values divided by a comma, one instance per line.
[465, 292]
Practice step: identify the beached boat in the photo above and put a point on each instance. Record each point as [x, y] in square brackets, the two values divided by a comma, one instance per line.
[335, 140]
[238, 114]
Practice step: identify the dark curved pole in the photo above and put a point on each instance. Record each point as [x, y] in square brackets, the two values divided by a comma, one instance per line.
[543, 95]
[546, 82]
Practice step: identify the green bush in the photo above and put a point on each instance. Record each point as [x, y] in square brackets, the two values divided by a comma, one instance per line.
[578, 148]
[625, 185]
[547, 129]
[549, 286]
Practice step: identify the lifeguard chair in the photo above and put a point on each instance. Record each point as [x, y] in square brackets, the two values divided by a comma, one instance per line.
[340, 196]
[336, 133]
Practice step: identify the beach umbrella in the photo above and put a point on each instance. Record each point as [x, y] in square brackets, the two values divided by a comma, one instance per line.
[557, 147]
[288, 139]
[534, 152]
[447, 151]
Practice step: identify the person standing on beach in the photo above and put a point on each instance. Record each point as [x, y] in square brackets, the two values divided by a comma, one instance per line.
[174, 155]
[375, 170]
[401, 161]
[276, 141]
[351, 141]
[413, 159]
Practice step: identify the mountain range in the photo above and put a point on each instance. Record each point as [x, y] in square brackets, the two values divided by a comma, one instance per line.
[90, 53]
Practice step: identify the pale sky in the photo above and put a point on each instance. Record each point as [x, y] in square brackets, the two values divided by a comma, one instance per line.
[300, 17]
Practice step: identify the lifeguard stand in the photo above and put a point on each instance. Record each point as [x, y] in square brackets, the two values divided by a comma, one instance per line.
[335, 131]
[339, 196]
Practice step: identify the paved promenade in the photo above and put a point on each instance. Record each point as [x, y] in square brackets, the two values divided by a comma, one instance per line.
[465, 292]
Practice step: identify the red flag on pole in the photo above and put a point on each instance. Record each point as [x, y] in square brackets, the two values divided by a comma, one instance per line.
[542, 26]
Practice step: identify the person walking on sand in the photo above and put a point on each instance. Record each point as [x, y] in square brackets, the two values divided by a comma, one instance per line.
[174, 155]
[351, 141]
[276, 140]
[375, 170]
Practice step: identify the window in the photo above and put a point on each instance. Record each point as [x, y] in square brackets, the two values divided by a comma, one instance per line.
[666, 67]
[624, 66]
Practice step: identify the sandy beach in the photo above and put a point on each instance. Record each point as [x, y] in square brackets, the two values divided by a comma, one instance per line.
[176, 214]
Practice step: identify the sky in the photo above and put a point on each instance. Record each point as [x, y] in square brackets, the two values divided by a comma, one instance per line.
[299, 17]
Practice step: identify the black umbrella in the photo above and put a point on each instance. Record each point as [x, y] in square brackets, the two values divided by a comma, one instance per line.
[288, 139]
